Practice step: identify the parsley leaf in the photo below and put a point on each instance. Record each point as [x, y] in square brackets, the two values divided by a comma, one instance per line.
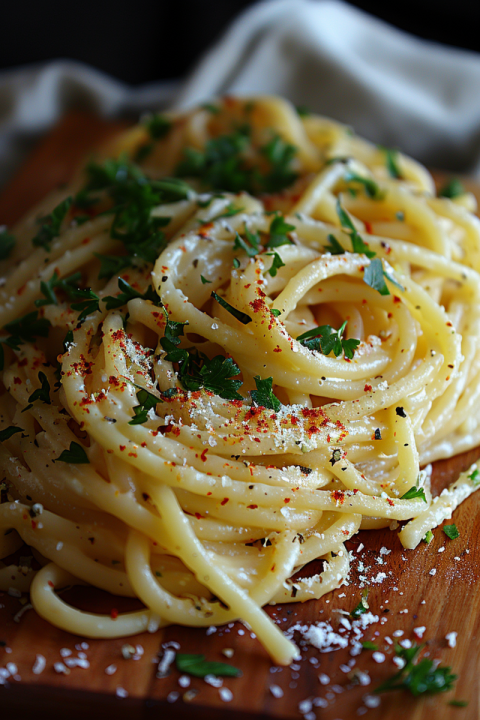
[199, 667]
[368, 645]
[76, 455]
[330, 340]
[147, 401]
[129, 293]
[362, 606]
[238, 314]
[370, 186]
[47, 288]
[51, 225]
[458, 703]
[374, 276]
[263, 396]
[229, 211]
[251, 246]
[28, 327]
[7, 433]
[428, 537]
[88, 302]
[205, 281]
[279, 230]
[358, 245]
[7, 243]
[418, 678]
[276, 264]
[475, 478]
[158, 126]
[334, 247]
[452, 189]
[414, 493]
[391, 161]
[111, 265]
[451, 531]
[280, 155]
[42, 393]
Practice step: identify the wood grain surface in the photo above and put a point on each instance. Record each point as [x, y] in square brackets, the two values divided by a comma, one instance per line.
[409, 597]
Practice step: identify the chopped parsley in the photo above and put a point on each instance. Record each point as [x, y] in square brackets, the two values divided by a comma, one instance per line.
[374, 276]
[368, 645]
[238, 314]
[326, 339]
[391, 162]
[276, 264]
[279, 230]
[88, 302]
[23, 329]
[67, 285]
[264, 396]
[199, 667]
[205, 281]
[428, 537]
[334, 247]
[370, 186]
[129, 293]
[224, 164]
[42, 393]
[75, 455]
[451, 531]
[158, 126]
[458, 703]
[418, 678]
[250, 245]
[362, 606]
[358, 245]
[414, 493]
[146, 401]
[8, 432]
[452, 189]
[51, 225]
[7, 243]
[475, 478]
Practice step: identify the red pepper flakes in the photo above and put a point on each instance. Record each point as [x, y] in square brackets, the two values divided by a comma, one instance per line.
[132, 454]
[367, 388]
[164, 429]
[34, 525]
[286, 500]
[114, 613]
[252, 507]
[85, 241]
[390, 502]
[277, 349]
[368, 227]
[17, 381]
[198, 516]
[122, 447]
[209, 493]
[203, 456]
[22, 363]
[224, 501]
[144, 444]
[338, 496]
[51, 584]
[396, 299]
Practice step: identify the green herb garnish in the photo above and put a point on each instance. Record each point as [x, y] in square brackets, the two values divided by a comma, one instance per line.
[428, 537]
[276, 264]
[47, 288]
[129, 293]
[51, 224]
[362, 606]
[452, 189]
[264, 396]
[475, 478]
[7, 433]
[421, 677]
[370, 186]
[76, 455]
[146, 401]
[451, 531]
[7, 243]
[414, 493]
[358, 245]
[199, 667]
[238, 314]
[326, 339]
[334, 247]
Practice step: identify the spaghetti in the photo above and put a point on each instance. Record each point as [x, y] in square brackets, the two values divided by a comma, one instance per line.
[229, 348]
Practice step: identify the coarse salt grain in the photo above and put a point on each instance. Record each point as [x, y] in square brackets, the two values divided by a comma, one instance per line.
[225, 694]
[65, 652]
[324, 679]
[213, 680]
[419, 631]
[173, 696]
[39, 665]
[276, 691]
[451, 639]
[121, 692]
[406, 643]
[304, 706]
[111, 670]
[378, 657]
[60, 668]
[433, 571]
[371, 701]
[397, 633]
[184, 681]
[399, 662]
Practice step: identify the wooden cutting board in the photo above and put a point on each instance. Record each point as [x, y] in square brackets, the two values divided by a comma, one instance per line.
[410, 597]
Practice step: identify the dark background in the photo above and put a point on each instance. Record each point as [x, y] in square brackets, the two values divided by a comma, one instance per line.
[144, 40]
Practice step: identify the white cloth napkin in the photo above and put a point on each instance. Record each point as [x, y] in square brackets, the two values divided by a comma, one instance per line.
[392, 88]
